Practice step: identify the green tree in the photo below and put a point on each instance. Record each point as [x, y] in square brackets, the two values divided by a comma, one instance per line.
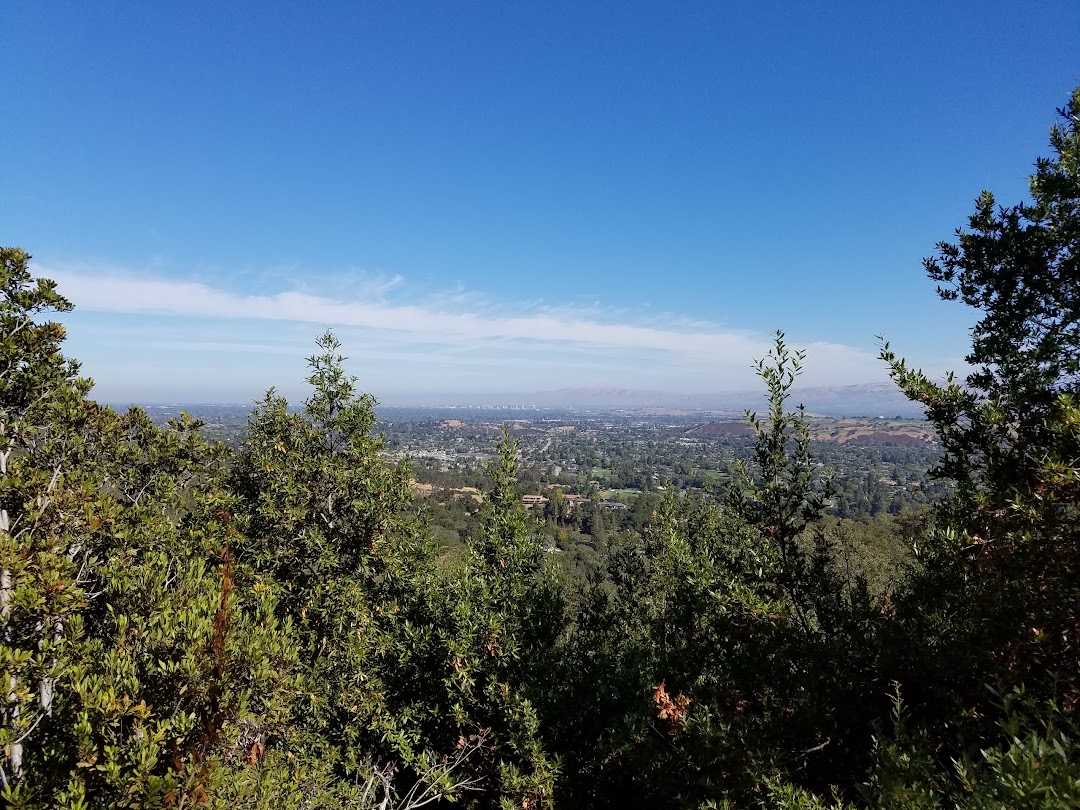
[40, 544]
[135, 675]
[782, 495]
[1010, 433]
[505, 617]
[182, 680]
[716, 645]
[328, 528]
[993, 596]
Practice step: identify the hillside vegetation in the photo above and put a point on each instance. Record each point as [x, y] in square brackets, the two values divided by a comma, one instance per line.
[188, 626]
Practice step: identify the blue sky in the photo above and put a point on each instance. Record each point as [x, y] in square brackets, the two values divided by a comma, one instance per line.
[512, 197]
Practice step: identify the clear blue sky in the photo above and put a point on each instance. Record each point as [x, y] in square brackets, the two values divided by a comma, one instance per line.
[511, 196]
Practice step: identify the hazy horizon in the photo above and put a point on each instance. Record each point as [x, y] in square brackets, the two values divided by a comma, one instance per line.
[869, 400]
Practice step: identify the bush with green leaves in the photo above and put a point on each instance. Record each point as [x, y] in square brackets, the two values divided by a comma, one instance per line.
[1010, 432]
[136, 675]
[996, 595]
[718, 646]
[992, 594]
[503, 622]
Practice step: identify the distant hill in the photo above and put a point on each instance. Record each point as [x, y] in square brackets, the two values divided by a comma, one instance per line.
[732, 428]
[887, 439]
[876, 431]
[871, 399]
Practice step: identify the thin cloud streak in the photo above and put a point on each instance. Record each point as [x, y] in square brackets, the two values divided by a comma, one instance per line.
[459, 329]
[131, 295]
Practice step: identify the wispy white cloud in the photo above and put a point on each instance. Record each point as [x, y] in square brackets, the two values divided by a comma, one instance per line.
[404, 330]
[441, 320]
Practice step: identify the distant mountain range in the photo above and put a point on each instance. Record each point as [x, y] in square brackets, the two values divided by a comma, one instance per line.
[872, 399]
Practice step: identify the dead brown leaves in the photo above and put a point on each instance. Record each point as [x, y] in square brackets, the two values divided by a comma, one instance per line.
[671, 711]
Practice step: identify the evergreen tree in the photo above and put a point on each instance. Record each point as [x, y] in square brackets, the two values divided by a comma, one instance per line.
[135, 675]
[328, 529]
[505, 617]
[1010, 557]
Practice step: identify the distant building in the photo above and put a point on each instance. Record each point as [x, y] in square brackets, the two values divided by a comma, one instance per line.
[572, 500]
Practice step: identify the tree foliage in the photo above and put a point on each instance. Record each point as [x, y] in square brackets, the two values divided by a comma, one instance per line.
[132, 666]
[1010, 433]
